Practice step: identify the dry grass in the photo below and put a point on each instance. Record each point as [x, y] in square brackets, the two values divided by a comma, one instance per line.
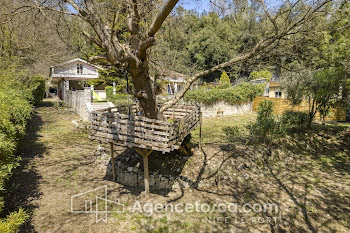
[308, 177]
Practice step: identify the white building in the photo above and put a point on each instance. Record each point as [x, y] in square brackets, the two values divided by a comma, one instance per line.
[71, 78]
[72, 75]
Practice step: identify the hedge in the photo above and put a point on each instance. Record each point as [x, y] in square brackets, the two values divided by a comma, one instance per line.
[17, 95]
[118, 98]
[241, 93]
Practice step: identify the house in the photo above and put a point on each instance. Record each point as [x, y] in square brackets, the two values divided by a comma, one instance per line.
[173, 81]
[275, 90]
[72, 78]
[72, 75]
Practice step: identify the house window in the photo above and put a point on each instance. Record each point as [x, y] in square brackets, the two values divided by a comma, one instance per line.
[278, 94]
[79, 68]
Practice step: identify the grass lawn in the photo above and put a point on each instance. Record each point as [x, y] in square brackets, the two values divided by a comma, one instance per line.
[212, 128]
[307, 176]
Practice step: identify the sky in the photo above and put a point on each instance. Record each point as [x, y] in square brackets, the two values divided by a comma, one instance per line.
[204, 5]
[198, 5]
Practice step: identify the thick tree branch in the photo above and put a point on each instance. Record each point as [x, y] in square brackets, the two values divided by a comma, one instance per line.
[272, 20]
[98, 58]
[163, 14]
[92, 39]
[144, 46]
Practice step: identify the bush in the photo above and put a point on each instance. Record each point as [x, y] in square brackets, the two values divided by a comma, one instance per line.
[232, 133]
[241, 93]
[266, 127]
[16, 96]
[37, 85]
[118, 98]
[295, 119]
[260, 74]
[13, 221]
[224, 79]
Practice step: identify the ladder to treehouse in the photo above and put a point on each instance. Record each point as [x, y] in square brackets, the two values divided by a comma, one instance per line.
[126, 126]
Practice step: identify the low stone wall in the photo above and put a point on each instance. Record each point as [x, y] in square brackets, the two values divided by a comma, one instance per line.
[224, 109]
[78, 100]
[129, 170]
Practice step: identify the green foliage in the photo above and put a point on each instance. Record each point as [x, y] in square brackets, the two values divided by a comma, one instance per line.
[321, 88]
[118, 98]
[13, 221]
[15, 109]
[294, 119]
[224, 79]
[260, 75]
[232, 133]
[37, 85]
[241, 93]
[266, 127]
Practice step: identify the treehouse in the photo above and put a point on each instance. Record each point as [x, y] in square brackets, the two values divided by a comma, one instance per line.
[127, 126]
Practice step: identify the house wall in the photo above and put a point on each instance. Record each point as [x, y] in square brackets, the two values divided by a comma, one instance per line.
[272, 92]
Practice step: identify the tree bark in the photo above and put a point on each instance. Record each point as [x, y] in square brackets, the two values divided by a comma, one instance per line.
[145, 93]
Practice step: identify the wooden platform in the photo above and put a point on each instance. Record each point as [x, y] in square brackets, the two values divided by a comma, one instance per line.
[126, 126]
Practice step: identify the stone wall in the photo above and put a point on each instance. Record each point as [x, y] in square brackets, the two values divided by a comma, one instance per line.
[78, 100]
[129, 170]
[224, 109]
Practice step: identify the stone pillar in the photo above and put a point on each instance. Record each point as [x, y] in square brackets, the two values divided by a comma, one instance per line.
[88, 94]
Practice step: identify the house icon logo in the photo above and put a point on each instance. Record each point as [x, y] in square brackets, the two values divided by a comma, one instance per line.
[95, 201]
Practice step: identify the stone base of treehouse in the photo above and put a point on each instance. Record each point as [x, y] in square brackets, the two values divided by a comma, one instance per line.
[165, 170]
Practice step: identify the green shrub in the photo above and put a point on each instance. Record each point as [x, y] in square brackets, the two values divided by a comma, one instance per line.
[37, 85]
[266, 127]
[16, 96]
[233, 133]
[118, 98]
[13, 221]
[224, 79]
[260, 74]
[295, 119]
[241, 93]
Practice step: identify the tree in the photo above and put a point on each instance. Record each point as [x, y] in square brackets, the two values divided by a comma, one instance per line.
[260, 75]
[322, 89]
[145, 18]
[224, 79]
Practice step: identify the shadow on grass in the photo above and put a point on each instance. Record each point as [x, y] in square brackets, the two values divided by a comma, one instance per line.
[22, 187]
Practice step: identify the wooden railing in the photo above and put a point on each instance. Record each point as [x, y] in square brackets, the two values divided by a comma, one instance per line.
[126, 126]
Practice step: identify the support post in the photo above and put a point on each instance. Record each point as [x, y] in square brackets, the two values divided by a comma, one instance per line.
[145, 153]
[113, 161]
[200, 130]
[146, 173]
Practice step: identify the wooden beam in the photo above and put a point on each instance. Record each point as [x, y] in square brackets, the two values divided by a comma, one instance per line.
[145, 153]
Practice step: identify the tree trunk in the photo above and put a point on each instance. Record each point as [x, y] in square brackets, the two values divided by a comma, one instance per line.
[145, 94]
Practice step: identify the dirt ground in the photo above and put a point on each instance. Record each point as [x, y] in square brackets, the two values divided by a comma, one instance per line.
[307, 177]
